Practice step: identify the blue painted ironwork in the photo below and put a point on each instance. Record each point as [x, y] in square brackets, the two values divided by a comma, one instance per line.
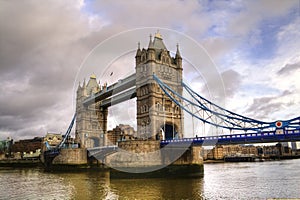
[51, 153]
[246, 138]
[221, 117]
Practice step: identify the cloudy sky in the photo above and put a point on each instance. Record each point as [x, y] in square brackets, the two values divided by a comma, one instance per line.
[255, 46]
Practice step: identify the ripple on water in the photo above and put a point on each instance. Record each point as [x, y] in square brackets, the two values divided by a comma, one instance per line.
[264, 180]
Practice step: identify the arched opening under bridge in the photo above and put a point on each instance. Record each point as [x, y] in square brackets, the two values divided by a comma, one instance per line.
[169, 131]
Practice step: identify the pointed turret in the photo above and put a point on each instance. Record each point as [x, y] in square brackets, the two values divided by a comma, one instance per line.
[177, 52]
[79, 87]
[150, 46]
[84, 88]
[158, 42]
[151, 51]
[92, 86]
[178, 57]
[79, 90]
[83, 85]
[138, 55]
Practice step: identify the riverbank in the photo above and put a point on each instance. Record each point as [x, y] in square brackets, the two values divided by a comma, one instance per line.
[257, 159]
[21, 163]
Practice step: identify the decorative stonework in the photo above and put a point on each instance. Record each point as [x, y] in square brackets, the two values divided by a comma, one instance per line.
[157, 115]
[91, 121]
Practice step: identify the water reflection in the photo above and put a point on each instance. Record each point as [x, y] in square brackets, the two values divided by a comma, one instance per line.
[158, 188]
[278, 179]
[98, 185]
[32, 184]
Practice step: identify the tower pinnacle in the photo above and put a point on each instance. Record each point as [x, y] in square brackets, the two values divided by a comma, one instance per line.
[158, 35]
[177, 52]
[150, 42]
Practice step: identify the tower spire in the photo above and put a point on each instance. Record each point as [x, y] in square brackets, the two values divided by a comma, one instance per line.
[177, 52]
[158, 35]
[150, 42]
[79, 86]
[83, 85]
[138, 55]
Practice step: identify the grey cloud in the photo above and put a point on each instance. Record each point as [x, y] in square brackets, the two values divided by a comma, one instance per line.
[288, 68]
[41, 48]
[252, 12]
[186, 16]
[231, 83]
[43, 44]
[264, 106]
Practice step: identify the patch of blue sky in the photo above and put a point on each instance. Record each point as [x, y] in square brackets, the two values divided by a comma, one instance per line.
[86, 8]
[89, 8]
[262, 43]
[178, 27]
[217, 5]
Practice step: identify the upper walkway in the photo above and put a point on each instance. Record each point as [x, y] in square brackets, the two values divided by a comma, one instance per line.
[118, 92]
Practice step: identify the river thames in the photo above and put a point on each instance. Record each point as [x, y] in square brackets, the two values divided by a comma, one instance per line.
[253, 180]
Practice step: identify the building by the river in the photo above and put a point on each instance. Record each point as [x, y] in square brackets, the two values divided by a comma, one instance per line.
[221, 151]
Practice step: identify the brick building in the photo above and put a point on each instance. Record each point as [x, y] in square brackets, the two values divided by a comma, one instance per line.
[120, 133]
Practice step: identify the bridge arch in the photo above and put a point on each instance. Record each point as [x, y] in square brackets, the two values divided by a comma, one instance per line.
[169, 131]
[92, 141]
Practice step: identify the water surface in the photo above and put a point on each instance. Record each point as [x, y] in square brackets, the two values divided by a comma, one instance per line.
[260, 180]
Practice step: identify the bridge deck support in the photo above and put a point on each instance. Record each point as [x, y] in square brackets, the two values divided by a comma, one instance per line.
[148, 158]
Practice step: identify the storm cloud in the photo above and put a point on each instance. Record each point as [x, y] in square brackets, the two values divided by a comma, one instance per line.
[43, 44]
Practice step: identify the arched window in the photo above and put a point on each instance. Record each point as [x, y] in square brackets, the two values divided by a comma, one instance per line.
[146, 108]
[157, 106]
[176, 109]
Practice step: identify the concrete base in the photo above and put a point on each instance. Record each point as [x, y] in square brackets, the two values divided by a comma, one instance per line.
[71, 157]
[137, 159]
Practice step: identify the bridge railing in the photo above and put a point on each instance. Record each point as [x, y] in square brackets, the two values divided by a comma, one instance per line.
[257, 136]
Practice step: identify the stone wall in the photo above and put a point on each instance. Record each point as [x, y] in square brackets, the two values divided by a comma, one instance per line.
[136, 154]
[138, 146]
[71, 157]
[191, 156]
[148, 153]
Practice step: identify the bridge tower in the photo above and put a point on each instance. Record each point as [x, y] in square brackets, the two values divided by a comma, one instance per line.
[158, 117]
[91, 121]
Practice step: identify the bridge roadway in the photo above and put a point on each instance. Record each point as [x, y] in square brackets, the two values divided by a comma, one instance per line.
[247, 138]
[101, 152]
[120, 91]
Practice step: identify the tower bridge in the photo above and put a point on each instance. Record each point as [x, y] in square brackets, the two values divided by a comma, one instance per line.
[158, 88]
[155, 111]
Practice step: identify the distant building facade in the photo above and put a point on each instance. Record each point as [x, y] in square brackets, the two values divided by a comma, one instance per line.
[53, 139]
[120, 133]
[28, 145]
[220, 151]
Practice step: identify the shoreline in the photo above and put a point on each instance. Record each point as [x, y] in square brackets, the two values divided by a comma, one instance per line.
[273, 158]
[37, 162]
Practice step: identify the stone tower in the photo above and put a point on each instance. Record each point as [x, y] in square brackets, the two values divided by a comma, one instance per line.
[91, 121]
[157, 115]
